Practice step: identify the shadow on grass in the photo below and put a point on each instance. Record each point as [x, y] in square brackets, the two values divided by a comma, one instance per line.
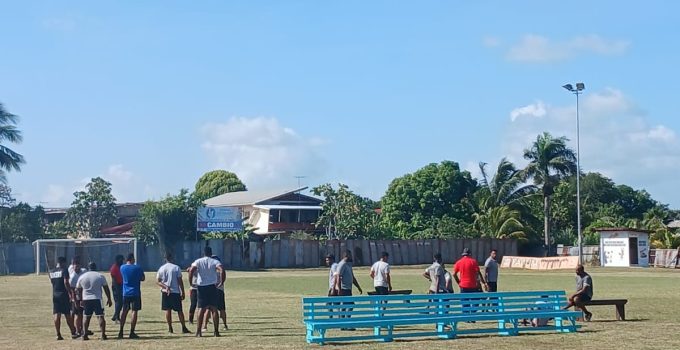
[624, 321]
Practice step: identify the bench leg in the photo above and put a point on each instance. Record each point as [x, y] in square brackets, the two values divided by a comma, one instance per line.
[621, 312]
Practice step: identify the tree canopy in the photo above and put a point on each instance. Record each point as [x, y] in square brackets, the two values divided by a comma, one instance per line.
[215, 183]
[9, 160]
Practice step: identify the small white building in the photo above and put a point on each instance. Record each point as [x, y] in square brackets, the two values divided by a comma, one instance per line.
[623, 247]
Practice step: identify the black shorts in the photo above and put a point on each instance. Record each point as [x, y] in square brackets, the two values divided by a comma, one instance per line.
[76, 309]
[584, 297]
[133, 303]
[382, 290]
[493, 287]
[171, 302]
[220, 302]
[93, 307]
[345, 292]
[61, 305]
[207, 296]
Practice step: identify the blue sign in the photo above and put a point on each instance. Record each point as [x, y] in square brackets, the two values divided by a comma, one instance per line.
[218, 219]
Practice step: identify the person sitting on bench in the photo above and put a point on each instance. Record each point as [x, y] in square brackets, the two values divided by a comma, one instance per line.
[584, 292]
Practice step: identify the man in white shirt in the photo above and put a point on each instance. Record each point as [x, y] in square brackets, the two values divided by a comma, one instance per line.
[330, 262]
[380, 273]
[210, 275]
[75, 270]
[89, 288]
[169, 278]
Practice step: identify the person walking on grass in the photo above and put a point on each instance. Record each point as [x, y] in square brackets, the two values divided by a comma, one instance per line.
[584, 292]
[435, 274]
[193, 297]
[466, 273]
[333, 268]
[344, 279]
[132, 294]
[117, 287]
[491, 271]
[169, 278]
[220, 302]
[380, 273]
[89, 287]
[61, 297]
[210, 275]
[75, 270]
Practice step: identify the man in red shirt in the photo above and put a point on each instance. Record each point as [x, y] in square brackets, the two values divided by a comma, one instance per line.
[117, 287]
[466, 273]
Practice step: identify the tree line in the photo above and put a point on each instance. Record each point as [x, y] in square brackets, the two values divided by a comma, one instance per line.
[535, 204]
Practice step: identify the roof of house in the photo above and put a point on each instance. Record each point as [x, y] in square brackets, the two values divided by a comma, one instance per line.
[674, 224]
[240, 198]
[626, 229]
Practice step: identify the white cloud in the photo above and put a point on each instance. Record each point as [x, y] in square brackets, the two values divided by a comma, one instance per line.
[536, 110]
[55, 194]
[540, 49]
[261, 151]
[118, 173]
[491, 41]
[617, 139]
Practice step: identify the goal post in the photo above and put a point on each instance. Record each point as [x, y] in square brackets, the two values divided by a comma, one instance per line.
[100, 250]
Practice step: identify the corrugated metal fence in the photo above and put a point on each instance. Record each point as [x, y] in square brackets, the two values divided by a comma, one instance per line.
[18, 258]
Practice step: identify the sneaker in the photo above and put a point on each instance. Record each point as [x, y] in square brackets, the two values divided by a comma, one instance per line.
[588, 316]
[133, 335]
[59, 337]
[104, 337]
[75, 335]
[85, 337]
[90, 333]
[217, 334]
[120, 335]
[170, 330]
[185, 331]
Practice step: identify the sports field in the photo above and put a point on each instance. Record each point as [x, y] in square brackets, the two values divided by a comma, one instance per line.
[265, 313]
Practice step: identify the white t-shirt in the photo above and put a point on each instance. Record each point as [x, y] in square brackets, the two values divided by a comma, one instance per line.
[206, 270]
[91, 282]
[73, 275]
[169, 274]
[331, 275]
[380, 270]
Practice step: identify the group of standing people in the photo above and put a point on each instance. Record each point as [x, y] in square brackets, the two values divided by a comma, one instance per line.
[466, 274]
[77, 294]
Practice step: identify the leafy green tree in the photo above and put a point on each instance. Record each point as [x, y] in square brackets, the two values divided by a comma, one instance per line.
[415, 202]
[21, 223]
[167, 221]
[9, 160]
[502, 203]
[92, 210]
[550, 160]
[215, 183]
[345, 214]
[634, 203]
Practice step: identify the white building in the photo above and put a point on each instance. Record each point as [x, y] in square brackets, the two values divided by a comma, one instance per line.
[273, 212]
[623, 247]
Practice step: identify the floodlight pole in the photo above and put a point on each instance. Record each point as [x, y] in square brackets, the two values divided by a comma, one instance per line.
[577, 91]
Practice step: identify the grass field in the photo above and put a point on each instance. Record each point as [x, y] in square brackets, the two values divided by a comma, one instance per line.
[265, 313]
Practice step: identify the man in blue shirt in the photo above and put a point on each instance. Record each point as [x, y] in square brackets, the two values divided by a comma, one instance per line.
[132, 294]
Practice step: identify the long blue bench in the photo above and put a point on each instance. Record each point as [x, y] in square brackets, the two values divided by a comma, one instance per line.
[389, 316]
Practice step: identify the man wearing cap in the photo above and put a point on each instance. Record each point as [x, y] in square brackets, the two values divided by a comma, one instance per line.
[466, 272]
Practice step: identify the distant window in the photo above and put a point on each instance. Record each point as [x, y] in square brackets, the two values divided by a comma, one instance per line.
[274, 215]
[309, 216]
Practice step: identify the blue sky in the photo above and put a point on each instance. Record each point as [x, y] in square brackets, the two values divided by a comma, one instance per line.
[151, 95]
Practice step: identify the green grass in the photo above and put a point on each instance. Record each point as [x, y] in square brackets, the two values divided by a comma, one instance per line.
[265, 313]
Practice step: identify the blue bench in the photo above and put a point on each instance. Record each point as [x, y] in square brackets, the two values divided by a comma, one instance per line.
[389, 315]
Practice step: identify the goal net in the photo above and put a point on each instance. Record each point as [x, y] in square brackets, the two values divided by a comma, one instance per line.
[101, 251]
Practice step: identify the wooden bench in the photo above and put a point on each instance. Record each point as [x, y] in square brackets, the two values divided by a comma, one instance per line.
[619, 303]
[387, 315]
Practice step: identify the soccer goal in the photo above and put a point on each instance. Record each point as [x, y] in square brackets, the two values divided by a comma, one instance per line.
[101, 251]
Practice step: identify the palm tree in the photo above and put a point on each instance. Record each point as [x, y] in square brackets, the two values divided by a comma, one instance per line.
[501, 202]
[9, 160]
[550, 160]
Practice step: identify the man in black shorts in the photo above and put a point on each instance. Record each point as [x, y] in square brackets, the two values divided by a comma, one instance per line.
[89, 288]
[221, 299]
[61, 303]
[169, 278]
[210, 276]
[133, 275]
[584, 292]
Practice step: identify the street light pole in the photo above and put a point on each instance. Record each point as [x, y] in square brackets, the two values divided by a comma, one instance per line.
[577, 91]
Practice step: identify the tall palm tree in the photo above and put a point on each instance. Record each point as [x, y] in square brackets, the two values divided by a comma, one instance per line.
[501, 209]
[550, 160]
[9, 160]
